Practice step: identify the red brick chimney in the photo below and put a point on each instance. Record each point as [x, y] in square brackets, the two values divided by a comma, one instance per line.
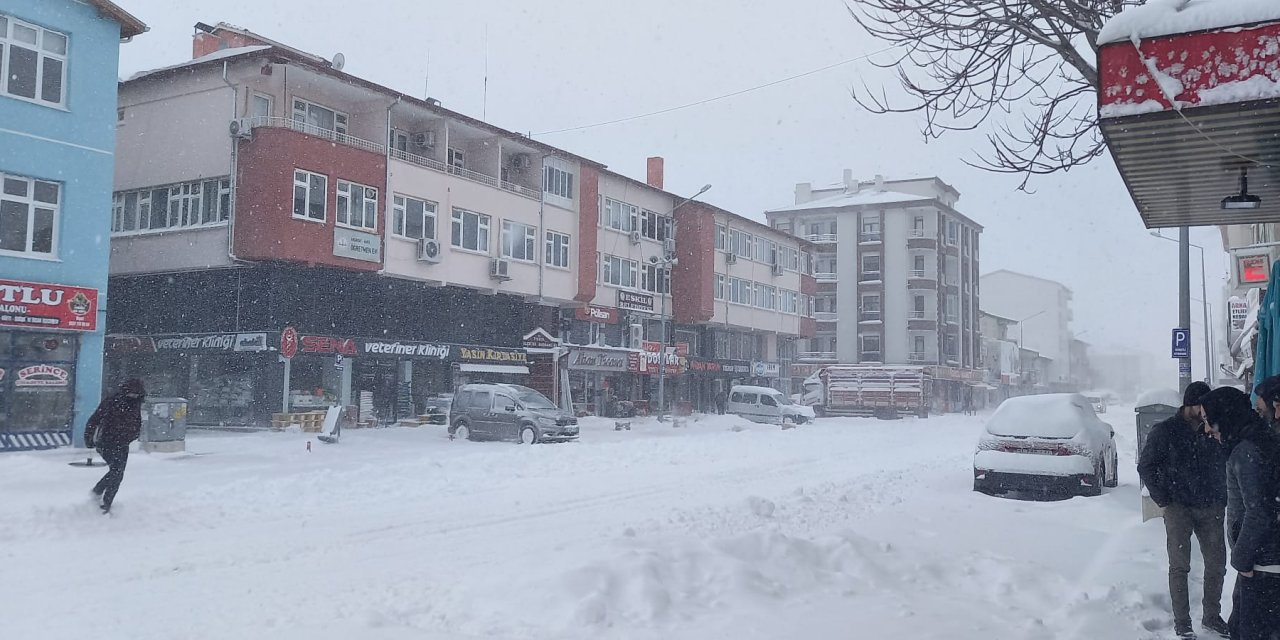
[209, 40]
[654, 173]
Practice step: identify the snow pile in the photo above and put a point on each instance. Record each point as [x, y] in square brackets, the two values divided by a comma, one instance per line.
[1056, 415]
[1168, 17]
[221, 54]
[1121, 109]
[1253, 88]
[1167, 397]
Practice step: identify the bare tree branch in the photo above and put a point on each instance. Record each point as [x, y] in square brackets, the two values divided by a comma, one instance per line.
[1029, 62]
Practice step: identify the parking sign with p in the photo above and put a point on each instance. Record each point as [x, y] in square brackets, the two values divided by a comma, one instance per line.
[1181, 343]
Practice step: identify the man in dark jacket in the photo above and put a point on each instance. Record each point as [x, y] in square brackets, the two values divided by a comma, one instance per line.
[111, 429]
[1252, 527]
[1182, 468]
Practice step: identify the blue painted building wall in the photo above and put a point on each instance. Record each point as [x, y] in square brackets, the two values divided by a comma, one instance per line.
[73, 146]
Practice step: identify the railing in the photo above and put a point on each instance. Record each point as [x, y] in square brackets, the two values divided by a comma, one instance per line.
[869, 237]
[918, 315]
[917, 233]
[821, 237]
[522, 190]
[816, 356]
[920, 273]
[869, 316]
[869, 276]
[825, 316]
[953, 319]
[823, 276]
[430, 163]
[918, 357]
[870, 356]
[319, 132]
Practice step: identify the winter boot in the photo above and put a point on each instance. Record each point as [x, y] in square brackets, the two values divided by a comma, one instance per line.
[1216, 625]
[1184, 630]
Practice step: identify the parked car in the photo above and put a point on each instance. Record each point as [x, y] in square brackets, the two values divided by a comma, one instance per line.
[1050, 443]
[1098, 400]
[508, 412]
[763, 404]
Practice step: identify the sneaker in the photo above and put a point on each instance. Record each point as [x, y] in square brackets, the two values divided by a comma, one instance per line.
[1184, 630]
[1217, 625]
[106, 508]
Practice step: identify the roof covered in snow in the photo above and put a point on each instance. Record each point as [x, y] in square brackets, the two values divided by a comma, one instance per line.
[216, 55]
[854, 199]
[1169, 17]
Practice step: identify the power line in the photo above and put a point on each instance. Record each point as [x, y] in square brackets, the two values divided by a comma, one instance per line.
[720, 97]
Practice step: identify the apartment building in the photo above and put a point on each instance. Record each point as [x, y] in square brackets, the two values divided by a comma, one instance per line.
[896, 267]
[60, 60]
[312, 238]
[1041, 313]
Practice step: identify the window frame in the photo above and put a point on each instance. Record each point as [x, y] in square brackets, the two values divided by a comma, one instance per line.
[33, 207]
[368, 206]
[400, 216]
[557, 182]
[611, 265]
[656, 226]
[508, 242]
[254, 97]
[458, 227]
[655, 279]
[7, 43]
[553, 248]
[615, 212]
[324, 196]
[200, 204]
[341, 120]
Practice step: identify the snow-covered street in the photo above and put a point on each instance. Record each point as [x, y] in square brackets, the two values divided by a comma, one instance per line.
[849, 528]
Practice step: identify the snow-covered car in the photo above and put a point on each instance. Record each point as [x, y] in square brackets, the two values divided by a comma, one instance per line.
[767, 405]
[1050, 443]
[508, 412]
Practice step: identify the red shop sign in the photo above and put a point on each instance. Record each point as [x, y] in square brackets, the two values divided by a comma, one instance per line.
[325, 344]
[593, 313]
[48, 306]
[288, 343]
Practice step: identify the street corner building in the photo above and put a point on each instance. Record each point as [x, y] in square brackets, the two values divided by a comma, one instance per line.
[57, 152]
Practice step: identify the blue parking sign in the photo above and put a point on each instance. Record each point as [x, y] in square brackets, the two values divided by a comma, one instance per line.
[1181, 343]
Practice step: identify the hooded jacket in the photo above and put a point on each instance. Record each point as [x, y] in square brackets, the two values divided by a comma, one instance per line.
[1253, 480]
[1179, 464]
[118, 419]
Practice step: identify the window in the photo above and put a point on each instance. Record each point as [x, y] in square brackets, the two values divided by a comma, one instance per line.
[871, 306]
[953, 270]
[870, 343]
[953, 307]
[764, 251]
[788, 301]
[953, 232]
[656, 279]
[768, 401]
[720, 283]
[260, 106]
[917, 307]
[413, 218]
[870, 228]
[457, 159]
[806, 263]
[470, 231]
[655, 226]
[28, 215]
[557, 182]
[740, 291]
[722, 241]
[619, 215]
[357, 205]
[791, 258]
[315, 116]
[950, 347]
[34, 60]
[766, 296]
[619, 272]
[740, 243]
[557, 254]
[309, 195]
[518, 241]
[918, 345]
[189, 204]
[871, 265]
[917, 266]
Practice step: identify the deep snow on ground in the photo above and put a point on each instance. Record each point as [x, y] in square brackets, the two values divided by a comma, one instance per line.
[848, 528]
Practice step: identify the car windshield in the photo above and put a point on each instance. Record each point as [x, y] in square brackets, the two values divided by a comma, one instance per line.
[532, 399]
[782, 399]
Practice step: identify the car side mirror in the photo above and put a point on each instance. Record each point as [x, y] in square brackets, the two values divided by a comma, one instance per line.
[511, 408]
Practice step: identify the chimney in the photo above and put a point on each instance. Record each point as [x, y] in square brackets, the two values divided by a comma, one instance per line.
[879, 182]
[654, 170]
[804, 192]
[849, 183]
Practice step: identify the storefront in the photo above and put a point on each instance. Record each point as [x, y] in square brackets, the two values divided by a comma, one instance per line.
[40, 354]
[953, 388]
[707, 378]
[598, 377]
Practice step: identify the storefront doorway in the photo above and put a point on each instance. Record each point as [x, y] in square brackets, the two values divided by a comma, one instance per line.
[37, 381]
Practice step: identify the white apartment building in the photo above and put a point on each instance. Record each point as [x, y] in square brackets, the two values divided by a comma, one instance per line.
[897, 271]
[1041, 313]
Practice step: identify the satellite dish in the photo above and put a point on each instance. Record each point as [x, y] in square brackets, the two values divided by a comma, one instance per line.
[339, 61]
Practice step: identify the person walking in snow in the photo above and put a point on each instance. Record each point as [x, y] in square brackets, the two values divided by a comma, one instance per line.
[111, 429]
[721, 401]
[1253, 531]
[1183, 469]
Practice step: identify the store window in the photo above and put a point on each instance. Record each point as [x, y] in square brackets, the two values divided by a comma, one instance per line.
[314, 383]
[37, 381]
[222, 388]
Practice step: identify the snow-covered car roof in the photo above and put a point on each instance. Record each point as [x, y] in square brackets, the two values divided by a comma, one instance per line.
[744, 388]
[1169, 17]
[1052, 415]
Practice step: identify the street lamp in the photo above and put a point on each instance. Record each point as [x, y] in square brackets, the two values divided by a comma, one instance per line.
[667, 261]
[1036, 314]
[1204, 305]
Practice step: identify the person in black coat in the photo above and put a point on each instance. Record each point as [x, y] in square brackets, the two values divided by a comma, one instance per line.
[1183, 469]
[111, 429]
[1253, 531]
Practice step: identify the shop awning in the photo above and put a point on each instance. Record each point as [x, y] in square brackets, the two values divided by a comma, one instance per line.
[492, 368]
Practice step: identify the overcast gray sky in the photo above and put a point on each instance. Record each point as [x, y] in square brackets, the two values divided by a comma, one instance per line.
[564, 63]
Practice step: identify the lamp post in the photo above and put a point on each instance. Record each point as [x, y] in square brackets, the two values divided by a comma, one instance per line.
[667, 261]
[1204, 305]
[1036, 314]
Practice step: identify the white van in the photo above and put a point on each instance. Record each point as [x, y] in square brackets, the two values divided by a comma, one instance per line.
[763, 404]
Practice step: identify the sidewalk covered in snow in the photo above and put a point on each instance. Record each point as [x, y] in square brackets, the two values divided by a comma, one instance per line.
[1189, 103]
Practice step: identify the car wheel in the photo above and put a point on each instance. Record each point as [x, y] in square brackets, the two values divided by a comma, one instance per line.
[1115, 471]
[819, 411]
[982, 489]
[788, 422]
[1099, 474]
[528, 435]
[461, 432]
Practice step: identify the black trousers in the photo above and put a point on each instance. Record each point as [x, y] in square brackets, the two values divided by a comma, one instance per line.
[116, 455]
[1255, 607]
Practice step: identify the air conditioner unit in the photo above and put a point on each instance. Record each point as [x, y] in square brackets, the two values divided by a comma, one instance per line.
[730, 257]
[521, 161]
[635, 237]
[425, 139]
[429, 250]
[777, 268]
[637, 335]
[241, 128]
[499, 269]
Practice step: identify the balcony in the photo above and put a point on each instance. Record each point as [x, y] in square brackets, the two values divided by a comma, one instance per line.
[922, 274]
[919, 315]
[825, 316]
[869, 238]
[318, 132]
[918, 357]
[918, 233]
[816, 356]
[870, 356]
[869, 276]
[821, 238]
[824, 276]
[869, 316]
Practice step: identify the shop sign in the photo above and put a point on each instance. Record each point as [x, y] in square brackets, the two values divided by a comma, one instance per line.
[765, 369]
[357, 245]
[539, 339]
[647, 362]
[592, 313]
[705, 366]
[1239, 310]
[42, 375]
[598, 360]
[251, 342]
[804, 370]
[433, 350]
[633, 301]
[1253, 269]
[327, 345]
[957, 375]
[48, 306]
[131, 344]
[493, 355]
[743, 368]
[288, 343]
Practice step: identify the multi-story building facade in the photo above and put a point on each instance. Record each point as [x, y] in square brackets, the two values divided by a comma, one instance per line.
[1041, 311]
[60, 62]
[897, 274]
[318, 239]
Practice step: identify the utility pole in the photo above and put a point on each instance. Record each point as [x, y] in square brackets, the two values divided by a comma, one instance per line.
[1184, 300]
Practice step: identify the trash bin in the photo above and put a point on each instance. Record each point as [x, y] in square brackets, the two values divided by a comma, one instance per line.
[164, 425]
[1153, 407]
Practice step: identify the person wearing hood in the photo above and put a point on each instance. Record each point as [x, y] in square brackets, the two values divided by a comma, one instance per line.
[1267, 401]
[1253, 531]
[111, 429]
[1183, 469]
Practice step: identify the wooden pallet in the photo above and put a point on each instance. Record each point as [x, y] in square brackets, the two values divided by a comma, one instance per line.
[310, 421]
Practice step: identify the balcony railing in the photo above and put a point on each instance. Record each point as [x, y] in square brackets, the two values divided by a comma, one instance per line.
[869, 237]
[821, 237]
[816, 356]
[825, 316]
[918, 357]
[918, 315]
[918, 233]
[870, 356]
[824, 276]
[319, 132]
[921, 273]
[953, 319]
[869, 316]
[869, 276]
